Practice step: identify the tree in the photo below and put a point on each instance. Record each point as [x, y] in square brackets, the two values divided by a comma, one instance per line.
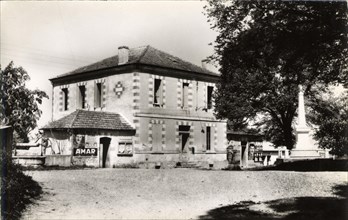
[20, 106]
[331, 114]
[265, 49]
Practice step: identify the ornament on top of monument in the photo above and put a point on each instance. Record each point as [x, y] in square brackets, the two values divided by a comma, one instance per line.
[300, 88]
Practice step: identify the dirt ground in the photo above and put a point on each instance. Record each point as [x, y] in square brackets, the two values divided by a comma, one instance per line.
[170, 193]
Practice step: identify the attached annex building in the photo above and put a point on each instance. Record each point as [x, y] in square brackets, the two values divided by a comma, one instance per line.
[141, 106]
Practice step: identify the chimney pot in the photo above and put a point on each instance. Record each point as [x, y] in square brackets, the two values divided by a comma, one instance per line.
[123, 55]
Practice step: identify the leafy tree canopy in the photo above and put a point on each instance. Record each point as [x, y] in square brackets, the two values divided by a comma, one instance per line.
[265, 49]
[19, 105]
[331, 114]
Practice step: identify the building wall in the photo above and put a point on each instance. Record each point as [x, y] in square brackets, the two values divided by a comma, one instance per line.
[171, 114]
[172, 96]
[118, 93]
[157, 127]
[117, 96]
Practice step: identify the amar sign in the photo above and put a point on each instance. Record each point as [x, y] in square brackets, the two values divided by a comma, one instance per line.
[85, 152]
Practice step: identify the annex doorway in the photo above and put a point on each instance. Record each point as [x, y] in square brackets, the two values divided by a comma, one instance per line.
[104, 147]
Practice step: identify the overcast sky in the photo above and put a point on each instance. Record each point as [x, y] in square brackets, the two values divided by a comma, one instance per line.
[51, 38]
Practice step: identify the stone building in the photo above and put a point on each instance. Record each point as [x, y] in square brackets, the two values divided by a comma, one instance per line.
[142, 106]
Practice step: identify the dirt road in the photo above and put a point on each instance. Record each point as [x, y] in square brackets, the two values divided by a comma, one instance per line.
[166, 193]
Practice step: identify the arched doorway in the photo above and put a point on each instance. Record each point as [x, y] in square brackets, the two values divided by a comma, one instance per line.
[104, 146]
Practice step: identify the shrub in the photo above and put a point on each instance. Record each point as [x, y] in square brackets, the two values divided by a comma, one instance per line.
[17, 189]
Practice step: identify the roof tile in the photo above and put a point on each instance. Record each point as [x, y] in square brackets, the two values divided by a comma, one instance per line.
[144, 55]
[82, 119]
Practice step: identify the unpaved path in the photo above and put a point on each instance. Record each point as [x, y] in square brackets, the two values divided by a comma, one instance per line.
[166, 193]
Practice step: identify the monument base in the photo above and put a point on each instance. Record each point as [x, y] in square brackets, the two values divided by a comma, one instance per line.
[307, 154]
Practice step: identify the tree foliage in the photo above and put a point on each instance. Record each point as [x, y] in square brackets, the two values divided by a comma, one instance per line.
[19, 105]
[331, 114]
[265, 49]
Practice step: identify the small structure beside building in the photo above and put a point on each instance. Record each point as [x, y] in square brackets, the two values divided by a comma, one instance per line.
[246, 147]
[142, 106]
[6, 137]
[28, 154]
[249, 149]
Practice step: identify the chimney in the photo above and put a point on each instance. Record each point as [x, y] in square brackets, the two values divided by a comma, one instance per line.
[123, 55]
[204, 63]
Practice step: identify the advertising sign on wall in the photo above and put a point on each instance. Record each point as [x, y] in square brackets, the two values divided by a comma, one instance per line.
[78, 141]
[85, 152]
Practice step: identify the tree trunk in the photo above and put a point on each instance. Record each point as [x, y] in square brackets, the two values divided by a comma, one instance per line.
[289, 137]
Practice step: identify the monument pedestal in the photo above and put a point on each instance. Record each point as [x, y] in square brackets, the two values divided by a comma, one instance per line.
[304, 149]
[305, 154]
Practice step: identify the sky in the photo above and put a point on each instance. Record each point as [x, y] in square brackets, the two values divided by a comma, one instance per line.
[49, 38]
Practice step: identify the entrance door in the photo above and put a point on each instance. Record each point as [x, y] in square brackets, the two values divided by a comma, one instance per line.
[105, 143]
[184, 133]
[184, 142]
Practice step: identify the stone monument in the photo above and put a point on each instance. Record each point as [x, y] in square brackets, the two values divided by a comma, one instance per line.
[305, 147]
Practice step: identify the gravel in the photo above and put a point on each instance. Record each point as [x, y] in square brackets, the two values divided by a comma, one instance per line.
[166, 193]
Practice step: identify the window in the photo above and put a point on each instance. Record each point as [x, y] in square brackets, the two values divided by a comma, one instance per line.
[208, 139]
[184, 134]
[98, 95]
[210, 97]
[185, 87]
[158, 94]
[82, 97]
[156, 137]
[65, 98]
[125, 148]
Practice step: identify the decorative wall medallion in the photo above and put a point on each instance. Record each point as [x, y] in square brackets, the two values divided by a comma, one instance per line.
[118, 89]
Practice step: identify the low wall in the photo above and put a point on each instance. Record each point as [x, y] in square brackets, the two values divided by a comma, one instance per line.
[58, 160]
[28, 149]
[90, 161]
[29, 160]
[150, 160]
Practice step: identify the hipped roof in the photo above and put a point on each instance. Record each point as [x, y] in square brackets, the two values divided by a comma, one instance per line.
[146, 55]
[82, 119]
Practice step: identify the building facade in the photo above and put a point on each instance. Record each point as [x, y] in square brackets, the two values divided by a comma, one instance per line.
[142, 106]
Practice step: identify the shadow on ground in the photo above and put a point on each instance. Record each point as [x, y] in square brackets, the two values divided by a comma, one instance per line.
[308, 165]
[288, 208]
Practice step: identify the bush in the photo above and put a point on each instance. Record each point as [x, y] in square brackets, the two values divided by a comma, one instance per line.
[17, 191]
